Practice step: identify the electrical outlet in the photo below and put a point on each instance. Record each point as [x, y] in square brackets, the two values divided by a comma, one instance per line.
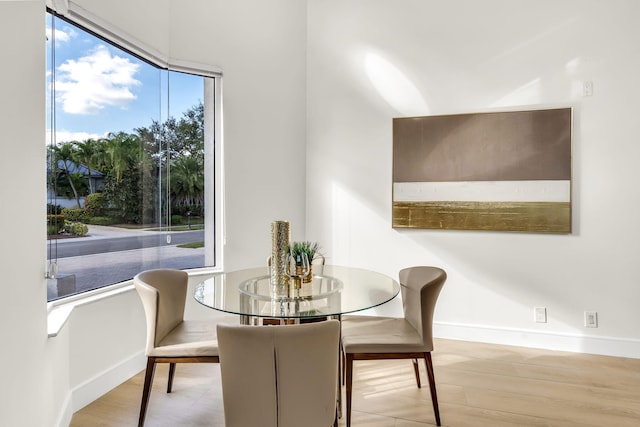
[587, 88]
[591, 319]
[540, 314]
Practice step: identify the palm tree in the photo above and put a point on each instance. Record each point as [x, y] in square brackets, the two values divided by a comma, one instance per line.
[122, 149]
[87, 152]
[65, 154]
[187, 181]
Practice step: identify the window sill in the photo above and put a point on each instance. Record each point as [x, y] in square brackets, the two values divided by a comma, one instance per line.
[59, 312]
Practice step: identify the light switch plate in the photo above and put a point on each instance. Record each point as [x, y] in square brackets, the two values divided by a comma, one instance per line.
[540, 314]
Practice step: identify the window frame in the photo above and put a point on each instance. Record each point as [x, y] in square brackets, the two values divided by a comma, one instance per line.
[77, 16]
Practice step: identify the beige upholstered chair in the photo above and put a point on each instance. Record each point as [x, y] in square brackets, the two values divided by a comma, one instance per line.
[371, 338]
[171, 339]
[280, 376]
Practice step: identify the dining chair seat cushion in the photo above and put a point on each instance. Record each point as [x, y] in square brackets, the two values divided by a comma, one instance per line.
[371, 334]
[190, 338]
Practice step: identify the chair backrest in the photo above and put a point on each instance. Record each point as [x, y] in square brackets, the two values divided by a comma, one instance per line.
[420, 287]
[279, 376]
[163, 293]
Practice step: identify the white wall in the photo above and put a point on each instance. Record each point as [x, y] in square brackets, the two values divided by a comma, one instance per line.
[372, 60]
[24, 296]
[260, 46]
[45, 380]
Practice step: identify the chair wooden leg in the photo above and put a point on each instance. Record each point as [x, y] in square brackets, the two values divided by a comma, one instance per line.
[343, 368]
[349, 380]
[146, 391]
[432, 385]
[416, 370]
[172, 370]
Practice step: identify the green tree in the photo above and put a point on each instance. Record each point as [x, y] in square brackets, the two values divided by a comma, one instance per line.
[129, 183]
[187, 182]
[88, 153]
[180, 143]
[65, 156]
[122, 150]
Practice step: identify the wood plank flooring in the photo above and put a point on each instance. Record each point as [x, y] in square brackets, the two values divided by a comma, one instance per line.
[478, 385]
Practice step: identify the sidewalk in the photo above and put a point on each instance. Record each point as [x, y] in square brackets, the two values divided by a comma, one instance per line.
[104, 231]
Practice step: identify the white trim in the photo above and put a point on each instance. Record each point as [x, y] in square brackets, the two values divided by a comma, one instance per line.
[59, 311]
[220, 222]
[103, 28]
[66, 413]
[577, 343]
[107, 380]
[94, 23]
[60, 6]
[213, 174]
[205, 70]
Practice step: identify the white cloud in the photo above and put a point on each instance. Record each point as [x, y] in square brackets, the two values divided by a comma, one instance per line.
[59, 35]
[68, 136]
[93, 82]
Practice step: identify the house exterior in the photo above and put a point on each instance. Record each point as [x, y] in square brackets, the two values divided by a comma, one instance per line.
[96, 178]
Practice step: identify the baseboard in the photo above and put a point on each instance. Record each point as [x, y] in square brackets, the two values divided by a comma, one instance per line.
[608, 346]
[66, 412]
[107, 380]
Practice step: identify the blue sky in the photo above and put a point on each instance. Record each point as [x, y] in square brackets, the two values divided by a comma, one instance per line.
[102, 89]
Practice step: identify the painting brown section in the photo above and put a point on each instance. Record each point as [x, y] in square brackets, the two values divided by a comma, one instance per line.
[499, 146]
[542, 217]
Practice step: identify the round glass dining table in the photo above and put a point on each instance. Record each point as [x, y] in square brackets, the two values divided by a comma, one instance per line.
[334, 290]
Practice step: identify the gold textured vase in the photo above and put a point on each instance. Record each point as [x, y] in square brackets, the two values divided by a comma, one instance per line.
[280, 232]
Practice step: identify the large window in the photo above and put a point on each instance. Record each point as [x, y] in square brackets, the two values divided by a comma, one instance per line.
[130, 164]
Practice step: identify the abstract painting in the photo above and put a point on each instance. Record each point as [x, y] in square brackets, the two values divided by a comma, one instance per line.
[500, 171]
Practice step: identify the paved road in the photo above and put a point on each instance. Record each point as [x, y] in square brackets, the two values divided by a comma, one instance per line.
[65, 248]
[136, 251]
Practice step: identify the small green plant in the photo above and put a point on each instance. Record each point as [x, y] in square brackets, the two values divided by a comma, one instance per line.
[52, 230]
[76, 228]
[298, 248]
[55, 224]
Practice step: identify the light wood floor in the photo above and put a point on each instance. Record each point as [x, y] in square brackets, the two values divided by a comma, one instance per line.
[478, 385]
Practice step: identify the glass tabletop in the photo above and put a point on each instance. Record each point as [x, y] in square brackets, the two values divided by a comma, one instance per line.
[334, 290]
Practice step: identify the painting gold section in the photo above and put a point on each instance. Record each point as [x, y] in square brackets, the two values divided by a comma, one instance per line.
[539, 217]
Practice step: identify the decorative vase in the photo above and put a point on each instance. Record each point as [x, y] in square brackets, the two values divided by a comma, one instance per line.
[279, 280]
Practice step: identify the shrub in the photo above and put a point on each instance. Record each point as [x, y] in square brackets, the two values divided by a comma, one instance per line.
[76, 228]
[176, 219]
[53, 209]
[52, 230]
[73, 214]
[55, 223]
[102, 220]
[94, 205]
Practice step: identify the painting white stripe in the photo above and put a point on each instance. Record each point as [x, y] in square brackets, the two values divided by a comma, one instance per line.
[483, 191]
